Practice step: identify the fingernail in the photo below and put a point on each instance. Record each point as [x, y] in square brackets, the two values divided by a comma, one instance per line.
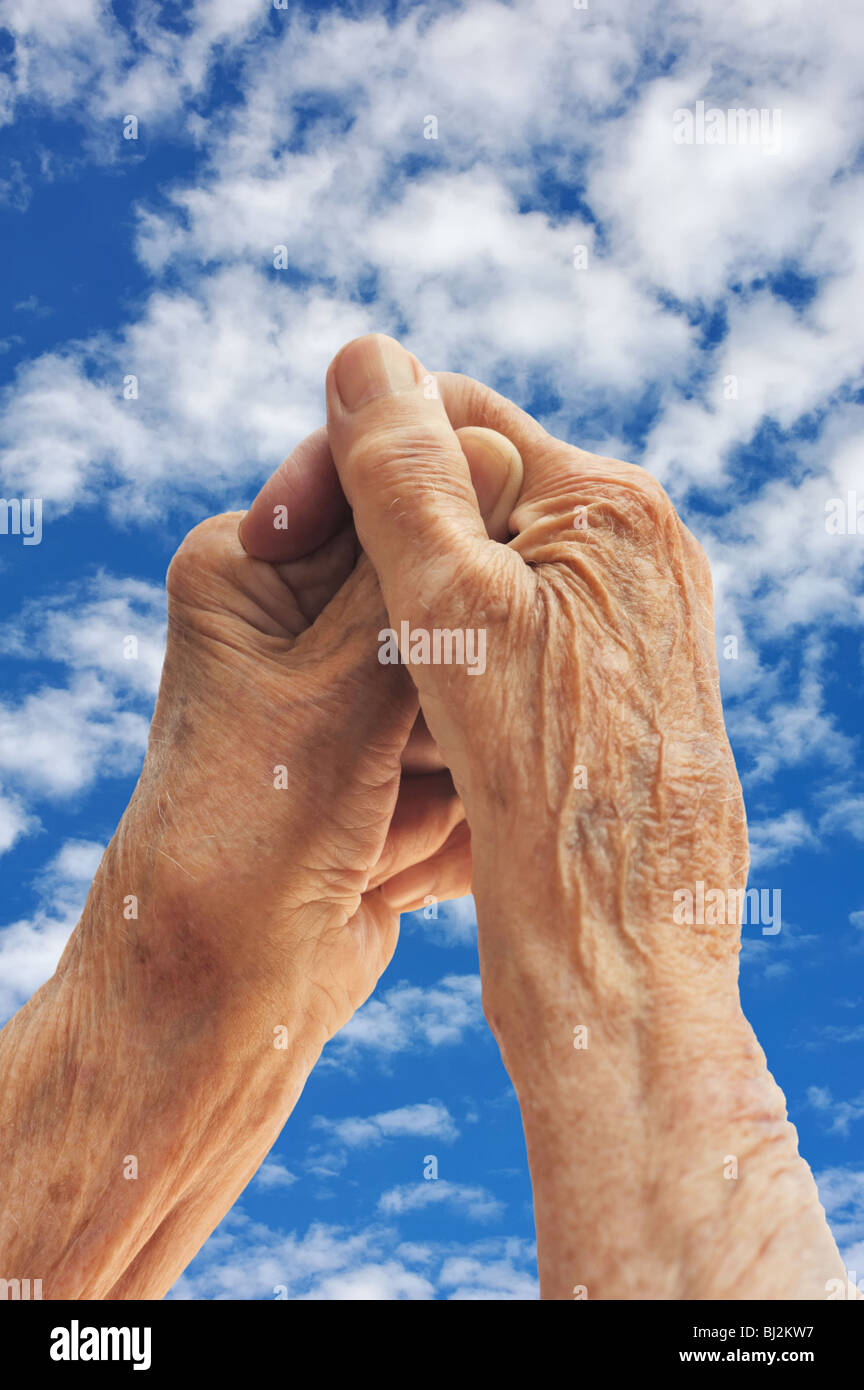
[371, 367]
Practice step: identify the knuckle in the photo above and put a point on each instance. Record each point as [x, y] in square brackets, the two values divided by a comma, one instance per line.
[647, 494]
[609, 493]
[413, 473]
[398, 453]
[199, 551]
[649, 497]
[638, 504]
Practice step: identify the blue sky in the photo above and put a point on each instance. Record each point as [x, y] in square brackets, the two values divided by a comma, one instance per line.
[713, 335]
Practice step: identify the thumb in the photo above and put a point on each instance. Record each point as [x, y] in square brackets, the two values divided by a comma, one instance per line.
[408, 481]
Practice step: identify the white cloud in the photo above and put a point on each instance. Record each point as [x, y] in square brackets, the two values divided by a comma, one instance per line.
[469, 1278]
[229, 357]
[778, 732]
[469, 266]
[30, 949]
[451, 923]
[768, 956]
[476, 1203]
[75, 865]
[273, 1174]
[59, 740]
[373, 1282]
[408, 1017]
[249, 1260]
[429, 1119]
[110, 626]
[14, 822]
[846, 815]
[836, 1033]
[840, 1113]
[841, 1191]
[76, 56]
[774, 841]
[229, 378]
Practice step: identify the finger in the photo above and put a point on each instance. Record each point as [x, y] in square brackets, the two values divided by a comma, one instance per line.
[495, 468]
[547, 461]
[444, 875]
[345, 601]
[400, 462]
[427, 811]
[315, 579]
[469, 402]
[421, 753]
[496, 474]
[407, 478]
[300, 507]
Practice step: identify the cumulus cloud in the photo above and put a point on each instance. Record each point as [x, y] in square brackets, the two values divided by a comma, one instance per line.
[249, 1260]
[426, 1119]
[273, 1174]
[846, 815]
[775, 731]
[411, 1017]
[770, 958]
[774, 841]
[842, 1193]
[31, 948]
[446, 924]
[58, 740]
[839, 1114]
[107, 625]
[464, 244]
[14, 822]
[489, 1276]
[475, 1202]
[77, 57]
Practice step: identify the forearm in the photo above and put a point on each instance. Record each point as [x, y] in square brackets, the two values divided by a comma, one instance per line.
[661, 1174]
[662, 1162]
[142, 1089]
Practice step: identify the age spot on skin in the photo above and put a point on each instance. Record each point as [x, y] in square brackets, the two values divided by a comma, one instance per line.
[497, 612]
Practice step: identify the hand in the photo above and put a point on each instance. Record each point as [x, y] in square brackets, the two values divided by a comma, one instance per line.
[615, 779]
[283, 785]
[600, 788]
[247, 904]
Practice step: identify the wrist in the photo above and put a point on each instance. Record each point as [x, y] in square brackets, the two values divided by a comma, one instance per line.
[662, 1161]
[159, 1082]
[173, 944]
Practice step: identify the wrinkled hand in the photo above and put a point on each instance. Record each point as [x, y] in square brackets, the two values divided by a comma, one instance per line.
[247, 903]
[592, 762]
[283, 778]
[594, 745]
